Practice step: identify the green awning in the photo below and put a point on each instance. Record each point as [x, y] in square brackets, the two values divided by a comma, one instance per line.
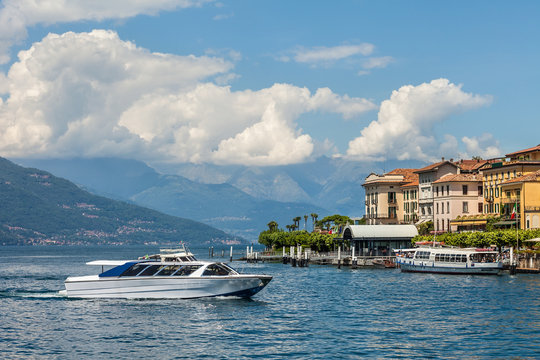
[505, 222]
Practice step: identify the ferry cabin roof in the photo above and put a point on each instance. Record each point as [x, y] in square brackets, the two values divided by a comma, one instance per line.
[379, 240]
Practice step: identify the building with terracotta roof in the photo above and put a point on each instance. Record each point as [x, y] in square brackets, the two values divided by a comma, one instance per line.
[456, 195]
[384, 202]
[527, 154]
[426, 176]
[522, 194]
[495, 173]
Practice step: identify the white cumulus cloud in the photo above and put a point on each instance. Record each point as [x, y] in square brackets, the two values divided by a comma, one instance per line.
[484, 146]
[404, 127]
[324, 54]
[93, 94]
[17, 15]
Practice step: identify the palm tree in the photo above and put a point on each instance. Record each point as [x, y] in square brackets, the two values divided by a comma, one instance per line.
[297, 221]
[314, 217]
[288, 228]
[272, 225]
[305, 221]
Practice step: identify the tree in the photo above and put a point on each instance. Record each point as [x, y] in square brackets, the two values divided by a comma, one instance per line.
[297, 221]
[314, 217]
[272, 226]
[305, 221]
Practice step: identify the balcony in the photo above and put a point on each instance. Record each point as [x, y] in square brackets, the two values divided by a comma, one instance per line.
[382, 216]
[511, 200]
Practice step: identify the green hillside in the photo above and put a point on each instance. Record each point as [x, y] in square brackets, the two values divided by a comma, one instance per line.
[39, 208]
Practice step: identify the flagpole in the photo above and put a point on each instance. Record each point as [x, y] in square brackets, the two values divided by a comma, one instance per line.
[517, 234]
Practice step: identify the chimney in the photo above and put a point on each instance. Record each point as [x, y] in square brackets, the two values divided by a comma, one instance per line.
[442, 159]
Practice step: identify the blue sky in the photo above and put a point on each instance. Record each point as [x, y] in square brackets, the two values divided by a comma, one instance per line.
[268, 82]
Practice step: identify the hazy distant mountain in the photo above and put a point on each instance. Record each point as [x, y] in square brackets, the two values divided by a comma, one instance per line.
[38, 207]
[223, 206]
[332, 184]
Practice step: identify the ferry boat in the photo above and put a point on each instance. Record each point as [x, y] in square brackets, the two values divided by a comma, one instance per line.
[163, 276]
[446, 260]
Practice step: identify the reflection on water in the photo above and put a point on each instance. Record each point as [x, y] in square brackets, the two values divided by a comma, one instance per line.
[315, 312]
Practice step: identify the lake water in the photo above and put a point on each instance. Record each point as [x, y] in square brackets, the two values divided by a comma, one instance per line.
[319, 312]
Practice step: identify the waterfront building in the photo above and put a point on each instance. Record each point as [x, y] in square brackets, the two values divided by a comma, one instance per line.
[522, 194]
[410, 202]
[496, 172]
[426, 177]
[379, 240]
[384, 196]
[456, 195]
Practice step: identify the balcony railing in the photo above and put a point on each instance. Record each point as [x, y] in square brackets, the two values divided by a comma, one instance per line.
[382, 216]
[511, 200]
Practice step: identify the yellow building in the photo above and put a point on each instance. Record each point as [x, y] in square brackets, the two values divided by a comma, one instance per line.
[385, 196]
[495, 173]
[523, 193]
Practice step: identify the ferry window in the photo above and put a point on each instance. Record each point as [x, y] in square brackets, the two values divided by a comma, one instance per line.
[186, 270]
[453, 258]
[151, 270]
[447, 257]
[215, 269]
[463, 258]
[169, 270]
[437, 257]
[134, 270]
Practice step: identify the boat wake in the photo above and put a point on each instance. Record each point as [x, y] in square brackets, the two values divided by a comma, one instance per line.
[31, 294]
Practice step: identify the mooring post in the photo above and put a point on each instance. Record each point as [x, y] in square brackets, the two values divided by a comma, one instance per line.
[231, 255]
[293, 259]
[339, 257]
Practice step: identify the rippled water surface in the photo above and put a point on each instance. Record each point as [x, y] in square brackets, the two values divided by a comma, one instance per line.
[318, 312]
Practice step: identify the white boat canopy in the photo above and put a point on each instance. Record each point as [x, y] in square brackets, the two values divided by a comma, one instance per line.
[107, 262]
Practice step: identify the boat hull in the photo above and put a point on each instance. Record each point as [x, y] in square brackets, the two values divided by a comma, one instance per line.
[165, 287]
[431, 267]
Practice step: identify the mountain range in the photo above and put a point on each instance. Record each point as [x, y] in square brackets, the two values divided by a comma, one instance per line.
[40, 208]
[239, 200]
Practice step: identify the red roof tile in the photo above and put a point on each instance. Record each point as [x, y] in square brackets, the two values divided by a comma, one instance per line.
[536, 148]
[408, 174]
[535, 176]
[459, 178]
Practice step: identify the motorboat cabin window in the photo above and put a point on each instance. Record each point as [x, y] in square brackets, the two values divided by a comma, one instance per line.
[168, 270]
[186, 270]
[134, 270]
[215, 270]
[151, 270]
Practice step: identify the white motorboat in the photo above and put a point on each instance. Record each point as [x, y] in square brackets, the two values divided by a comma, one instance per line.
[157, 278]
[448, 260]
